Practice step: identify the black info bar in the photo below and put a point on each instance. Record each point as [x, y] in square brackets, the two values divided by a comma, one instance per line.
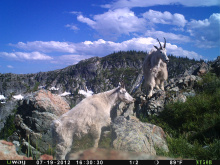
[109, 162]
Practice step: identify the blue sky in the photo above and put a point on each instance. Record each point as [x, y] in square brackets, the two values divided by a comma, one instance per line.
[44, 35]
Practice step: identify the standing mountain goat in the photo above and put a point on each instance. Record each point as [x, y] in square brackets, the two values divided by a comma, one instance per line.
[87, 117]
[155, 69]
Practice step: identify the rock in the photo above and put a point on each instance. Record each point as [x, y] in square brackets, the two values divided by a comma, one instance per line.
[46, 101]
[197, 69]
[122, 109]
[33, 118]
[216, 66]
[151, 106]
[180, 98]
[192, 70]
[46, 157]
[129, 134]
[8, 152]
[156, 103]
[203, 69]
[182, 82]
[105, 154]
[6, 110]
[189, 93]
[177, 89]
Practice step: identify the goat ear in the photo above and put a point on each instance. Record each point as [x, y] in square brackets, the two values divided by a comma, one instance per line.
[156, 47]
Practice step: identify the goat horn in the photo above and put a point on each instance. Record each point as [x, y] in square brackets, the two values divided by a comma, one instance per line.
[164, 43]
[122, 84]
[159, 43]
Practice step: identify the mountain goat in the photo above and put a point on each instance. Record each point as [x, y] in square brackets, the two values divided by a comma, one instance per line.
[155, 69]
[87, 117]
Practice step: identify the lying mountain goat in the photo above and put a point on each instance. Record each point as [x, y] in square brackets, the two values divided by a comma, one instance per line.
[155, 69]
[87, 117]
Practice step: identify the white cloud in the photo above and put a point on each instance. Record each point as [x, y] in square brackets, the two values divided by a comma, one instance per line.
[178, 51]
[87, 49]
[83, 19]
[72, 27]
[206, 32]
[69, 59]
[75, 12]
[114, 23]
[26, 56]
[165, 18]
[147, 3]
[10, 66]
[102, 47]
[171, 37]
[50, 46]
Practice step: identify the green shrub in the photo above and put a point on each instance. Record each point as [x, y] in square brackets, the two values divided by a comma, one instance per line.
[9, 127]
[36, 86]
[209, 83]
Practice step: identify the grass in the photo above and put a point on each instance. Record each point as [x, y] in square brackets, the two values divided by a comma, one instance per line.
[193, 127]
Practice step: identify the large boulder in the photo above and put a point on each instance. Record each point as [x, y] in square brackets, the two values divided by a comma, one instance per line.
[34, 116]
[129, 134]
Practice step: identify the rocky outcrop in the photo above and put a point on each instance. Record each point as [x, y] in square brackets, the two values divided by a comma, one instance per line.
[47, 102]
[216, 66]
[177, 89]
[107, 154]
[33, 118]
[6, 110]
[129, 134]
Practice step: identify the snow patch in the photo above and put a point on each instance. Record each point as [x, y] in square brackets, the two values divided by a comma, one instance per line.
[54, 89]
[65, 94]
[18, 97]
[2, 97]
[86, 93]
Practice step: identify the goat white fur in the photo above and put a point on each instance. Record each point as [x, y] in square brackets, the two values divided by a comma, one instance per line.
[155, 69]
[87, 117]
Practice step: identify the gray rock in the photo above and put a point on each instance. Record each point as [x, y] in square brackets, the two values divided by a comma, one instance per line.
[174, 89]
[34, 116]
[216, 66]
[5, 110]
[156, 103]
[129, 134]
[122, 109]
